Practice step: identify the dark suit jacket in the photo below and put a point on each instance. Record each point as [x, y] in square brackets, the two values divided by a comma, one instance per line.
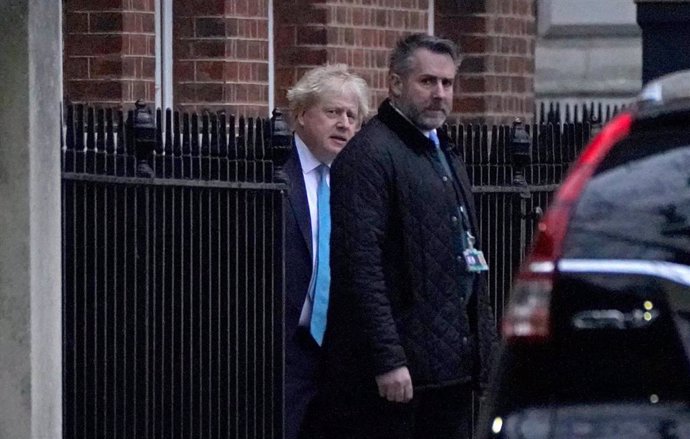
[301, 355]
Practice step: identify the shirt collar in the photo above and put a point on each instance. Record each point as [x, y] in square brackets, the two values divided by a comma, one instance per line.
[306, 158]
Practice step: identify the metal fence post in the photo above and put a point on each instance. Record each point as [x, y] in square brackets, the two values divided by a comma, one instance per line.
[281, 143]
[143, 126]
[520, 157]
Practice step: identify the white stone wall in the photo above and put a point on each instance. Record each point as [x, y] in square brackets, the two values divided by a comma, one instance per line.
[30, 226]
[587, 50]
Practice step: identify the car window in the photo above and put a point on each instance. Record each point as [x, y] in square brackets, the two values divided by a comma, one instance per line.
[637, 205]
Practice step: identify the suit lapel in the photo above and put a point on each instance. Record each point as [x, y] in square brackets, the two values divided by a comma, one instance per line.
[297, 197]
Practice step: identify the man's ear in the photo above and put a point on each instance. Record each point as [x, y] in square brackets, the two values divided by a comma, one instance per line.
[395, 84]
[300, 118]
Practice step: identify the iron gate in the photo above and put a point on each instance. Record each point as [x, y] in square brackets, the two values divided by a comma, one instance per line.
[172, 277]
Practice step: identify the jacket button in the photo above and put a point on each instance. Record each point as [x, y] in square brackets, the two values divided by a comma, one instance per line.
[459, 258]
[445, 179]
[464, 340]
[454, 218]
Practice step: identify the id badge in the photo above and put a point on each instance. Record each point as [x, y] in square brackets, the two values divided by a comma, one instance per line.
[475, 260]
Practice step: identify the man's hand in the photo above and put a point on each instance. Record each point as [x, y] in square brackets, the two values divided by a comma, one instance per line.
[396, 385]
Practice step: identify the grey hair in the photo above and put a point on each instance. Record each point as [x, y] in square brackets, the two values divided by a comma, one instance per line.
[401, 56]
[325, 79]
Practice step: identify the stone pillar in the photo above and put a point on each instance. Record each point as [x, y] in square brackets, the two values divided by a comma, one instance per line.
[665, 34]
[30, 256]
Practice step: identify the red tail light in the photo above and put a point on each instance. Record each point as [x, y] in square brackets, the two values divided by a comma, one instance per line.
[528, 317]
[528, 314]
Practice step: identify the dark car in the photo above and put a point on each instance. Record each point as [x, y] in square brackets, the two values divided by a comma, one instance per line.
[596, 338]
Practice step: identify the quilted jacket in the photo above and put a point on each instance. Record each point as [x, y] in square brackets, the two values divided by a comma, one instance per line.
[399, 287]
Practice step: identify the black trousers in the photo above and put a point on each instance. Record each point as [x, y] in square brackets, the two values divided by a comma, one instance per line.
[440, 413]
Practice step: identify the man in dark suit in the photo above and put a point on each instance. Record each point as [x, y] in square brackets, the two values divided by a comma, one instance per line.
[327, 106]
[410, 331]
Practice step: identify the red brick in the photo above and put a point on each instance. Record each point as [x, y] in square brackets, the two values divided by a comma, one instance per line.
[142, 5]
[93, 44]
[106, 68]
[501, 64]
[339, 56]
[208, 49]
[138, 90]
[472, 64]
[182, 49]
[261, 72]
[252, 8]
[358, 16]
[516, 65]
[209, 92]
[140, 44]
[240, 7]
[360, 35]
[285, 78]
[461, 7]
[76, 23]
[76, 68]
[185, 92]
[303, 56]
[131, 66]
[210, 27]
[131, 22]
[469, 104]
[231, 71]
[148, 67]
[209, 71]
[255, 93]
[105, 22]
[245, 72]
[92, 5]
[139, 22]
[148, 24]
[312, 35]
[237, 48]
[471, 84]
[183, 70]
[199, 7]
[257, 50]
[230, 92]
[182, 27]
[89, 91]
[472, 44]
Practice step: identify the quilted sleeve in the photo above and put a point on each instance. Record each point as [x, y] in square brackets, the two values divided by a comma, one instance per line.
[360, 206]
[488, 339]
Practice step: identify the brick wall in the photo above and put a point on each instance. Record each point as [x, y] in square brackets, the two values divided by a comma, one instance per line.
[360, 34]
[496, 81]
[109, 51]
[220, 51]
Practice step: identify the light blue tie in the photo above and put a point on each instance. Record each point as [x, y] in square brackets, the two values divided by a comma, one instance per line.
[441, 156]
[323, 269]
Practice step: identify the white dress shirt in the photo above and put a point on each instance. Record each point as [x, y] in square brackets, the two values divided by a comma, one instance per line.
[310, 172]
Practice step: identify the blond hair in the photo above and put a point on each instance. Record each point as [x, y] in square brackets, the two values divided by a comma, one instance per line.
[324, 80]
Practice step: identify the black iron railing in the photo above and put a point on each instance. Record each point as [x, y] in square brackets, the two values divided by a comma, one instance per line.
[173, 261]
[172, 277]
